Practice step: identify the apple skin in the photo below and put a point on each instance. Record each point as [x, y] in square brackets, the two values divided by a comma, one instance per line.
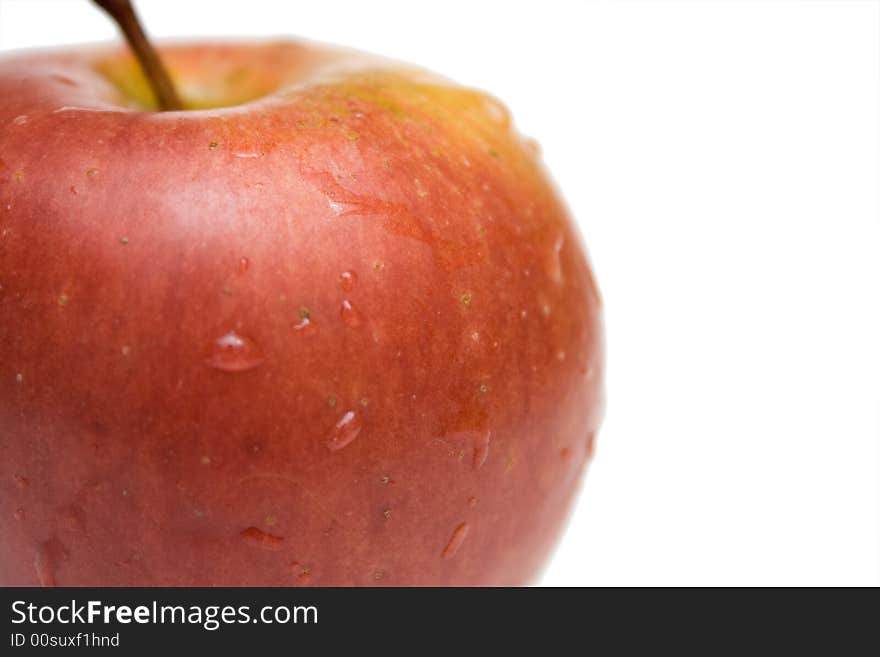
[344, 333]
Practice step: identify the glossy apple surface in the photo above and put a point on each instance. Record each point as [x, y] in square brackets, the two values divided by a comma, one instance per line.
[343, 332]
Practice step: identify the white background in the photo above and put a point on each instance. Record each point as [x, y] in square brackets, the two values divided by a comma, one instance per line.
[722, 160]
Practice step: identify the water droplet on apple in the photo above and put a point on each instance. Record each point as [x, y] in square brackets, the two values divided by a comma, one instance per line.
[243, 265]
[234, 353]
[496, 111]
[343, 432]
[46, 560]
[18, 514]
[63, 79]
[304, 326]
[533, 146]
[554, 262]
[97, 110]
[260, 539]
[347, 280]
[20, 120]
[455, 541]
[20, 482]
[481, 449]
[591, 445]
[472, 502]
[350, 315]
[43, 568]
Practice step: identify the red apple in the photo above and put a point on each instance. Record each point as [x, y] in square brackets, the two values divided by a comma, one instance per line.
[330, 325]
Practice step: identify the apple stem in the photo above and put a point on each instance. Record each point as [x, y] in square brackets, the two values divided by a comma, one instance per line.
[122, 12]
